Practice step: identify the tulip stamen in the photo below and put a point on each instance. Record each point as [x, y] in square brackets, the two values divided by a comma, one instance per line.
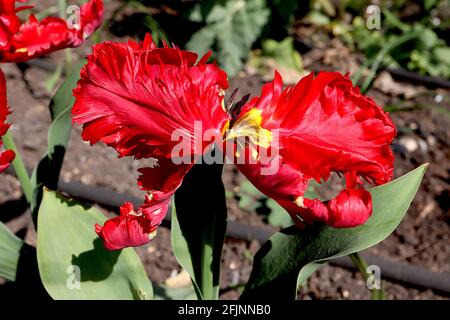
[299, 202]
[248, 128]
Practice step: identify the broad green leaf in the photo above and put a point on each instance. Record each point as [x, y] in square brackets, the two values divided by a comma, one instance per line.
[10, 246]
[202, 41]
[232, 27]
[198, 227]
[48, 169]
[278, 217]
[292, 255]
[73, 264]
[163, 292]
[63, 98]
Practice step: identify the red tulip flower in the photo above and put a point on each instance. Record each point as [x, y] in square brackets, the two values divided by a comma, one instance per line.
[6, 157]
[134, 96]
[20, 42]
[324, 125]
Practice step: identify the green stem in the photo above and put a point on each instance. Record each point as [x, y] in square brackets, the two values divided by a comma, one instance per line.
[205, 271]
[361, 264]
[19, 167]
[68, 61]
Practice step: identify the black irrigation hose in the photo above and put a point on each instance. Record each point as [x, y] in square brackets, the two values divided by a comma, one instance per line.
[397, 73]
[427, 81]
[415, 276]
[112, 200]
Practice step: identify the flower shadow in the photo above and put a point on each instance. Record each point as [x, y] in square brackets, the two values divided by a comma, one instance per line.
[96, 264]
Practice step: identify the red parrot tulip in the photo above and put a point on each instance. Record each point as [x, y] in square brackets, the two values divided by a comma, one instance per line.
[20, 42]
[133, 97]
[324, 125]
[6, 157]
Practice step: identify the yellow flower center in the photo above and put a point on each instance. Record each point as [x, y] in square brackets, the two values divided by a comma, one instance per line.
[247, 131]
[21, 50]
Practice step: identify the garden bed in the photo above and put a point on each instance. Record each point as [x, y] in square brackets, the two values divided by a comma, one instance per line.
[421, 239]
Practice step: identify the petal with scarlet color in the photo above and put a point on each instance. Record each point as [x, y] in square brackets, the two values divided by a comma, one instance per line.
[350, 208]
[91, 16]
[6, 157]
[127, 230]
[36, 37]
[331, 126]
[143, 101]
[20, 42]
[160, 182]
[325, 125]
[132, 228]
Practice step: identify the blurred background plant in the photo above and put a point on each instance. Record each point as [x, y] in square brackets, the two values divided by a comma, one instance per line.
[253, 30]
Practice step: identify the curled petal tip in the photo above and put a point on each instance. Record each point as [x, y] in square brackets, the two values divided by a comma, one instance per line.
[127, 209]
[6, 158]
[350, 208]
[98, 229]
[124, 231]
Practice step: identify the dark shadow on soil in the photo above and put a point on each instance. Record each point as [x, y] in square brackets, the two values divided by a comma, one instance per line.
[12, 209]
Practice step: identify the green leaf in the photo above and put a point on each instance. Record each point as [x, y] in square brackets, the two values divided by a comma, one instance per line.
[292, 255]
[442, 54]
[10, 246]
[73, 264]
[232, 26]
[63, 98]
[278, 217]
[52, 80]
[317, 18]
[47, 171]
[429, 4]
[283, 53]
[203, 40]
[198, 227]
[163, 292]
